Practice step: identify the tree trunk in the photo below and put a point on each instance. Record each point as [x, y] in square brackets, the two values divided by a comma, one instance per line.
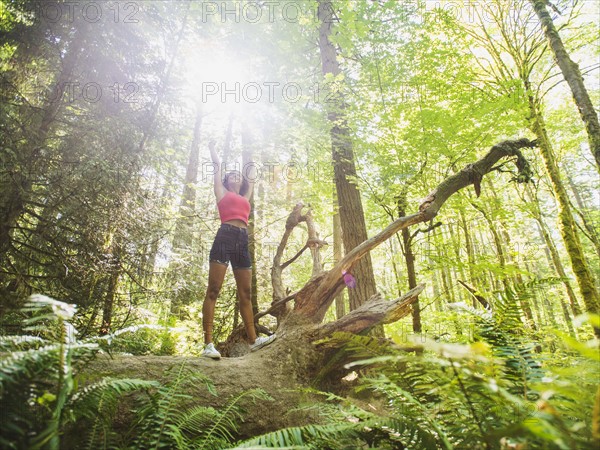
[340, 299]
[409, 258]
[16, 189]
[502, 257]
[161, 90]
[571, 238]
[304, 355]
[590, 231]
[470, 252]
[455, 239]
[185, 224]
[184, 227]
[247, 161]
[397, 278]
[352, 218]
[114, 271]
[555, 258]
[570, 71]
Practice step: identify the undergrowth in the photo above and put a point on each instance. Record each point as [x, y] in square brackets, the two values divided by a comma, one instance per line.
[495, 392]
[44, 407]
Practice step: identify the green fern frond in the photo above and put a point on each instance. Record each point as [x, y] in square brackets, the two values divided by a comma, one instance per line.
[28, 364]
[84, 403]
[348, 434]
[503, 331]
[225, 423]
[158, 419]
[12, 343]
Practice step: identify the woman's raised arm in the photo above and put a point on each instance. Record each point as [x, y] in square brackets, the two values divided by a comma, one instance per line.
[218, 176]
[250, 174]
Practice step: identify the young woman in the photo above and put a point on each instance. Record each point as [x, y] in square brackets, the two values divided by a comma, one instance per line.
[230, 244]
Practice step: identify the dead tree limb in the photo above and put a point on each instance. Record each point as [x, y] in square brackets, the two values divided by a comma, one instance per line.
[376, 310]
[313, 243]
[476, 295]
[314, 299]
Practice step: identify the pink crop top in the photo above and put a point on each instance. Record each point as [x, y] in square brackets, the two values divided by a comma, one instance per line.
[234, 206]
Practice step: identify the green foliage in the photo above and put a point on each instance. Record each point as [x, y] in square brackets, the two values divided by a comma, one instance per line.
[485, 394]
[143, 339]
[95, 405]
[349, 427]
[162, 421]
[41, 401]
[38, 384]
[504, 332]
[492, 393]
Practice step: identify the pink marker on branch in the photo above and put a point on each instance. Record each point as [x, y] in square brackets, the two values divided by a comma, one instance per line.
[349, 279]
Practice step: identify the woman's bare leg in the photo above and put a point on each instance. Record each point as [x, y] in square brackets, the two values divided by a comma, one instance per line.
[243, 280]
[216, 275]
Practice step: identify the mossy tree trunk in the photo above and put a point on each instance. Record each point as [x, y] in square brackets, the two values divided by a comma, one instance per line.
[572, 74]
[589, 293]
[552, 252]
[340, 302]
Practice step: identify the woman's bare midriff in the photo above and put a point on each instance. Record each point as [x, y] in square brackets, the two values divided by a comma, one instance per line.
[237, 223]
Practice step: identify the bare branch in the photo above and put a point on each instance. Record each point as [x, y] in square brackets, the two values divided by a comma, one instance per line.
[316, 296]
[375, 311]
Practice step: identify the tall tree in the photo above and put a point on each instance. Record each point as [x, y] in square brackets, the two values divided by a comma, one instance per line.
[340, 305]
[17, 188]
[526, 49]
[409, 258]
[572, 74]
[183, 227]
[352, 218]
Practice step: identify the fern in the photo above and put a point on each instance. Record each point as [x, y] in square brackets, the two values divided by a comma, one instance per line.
[49, 317]
[348, 426]
[224, 423]
[97, 403]
[159, 414]
[164, 422]
[501, 331]
[38, 394]
[12, 343]
[385, 432]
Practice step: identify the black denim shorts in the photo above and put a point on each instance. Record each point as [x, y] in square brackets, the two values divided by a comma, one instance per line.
[231, 244]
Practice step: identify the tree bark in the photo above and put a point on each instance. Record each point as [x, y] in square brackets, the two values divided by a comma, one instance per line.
[183, 236]
[16, 188]
[183, 229]
[552, 253]
[340, 301]
[470, 252]
[409, 258]
[352, 218]
[247, 162]
[590, 232]
[108, 305]
[570, 71]
[579, 264]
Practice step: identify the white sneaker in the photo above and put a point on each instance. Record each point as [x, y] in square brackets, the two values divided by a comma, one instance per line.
[211, 352]
[261, 342]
